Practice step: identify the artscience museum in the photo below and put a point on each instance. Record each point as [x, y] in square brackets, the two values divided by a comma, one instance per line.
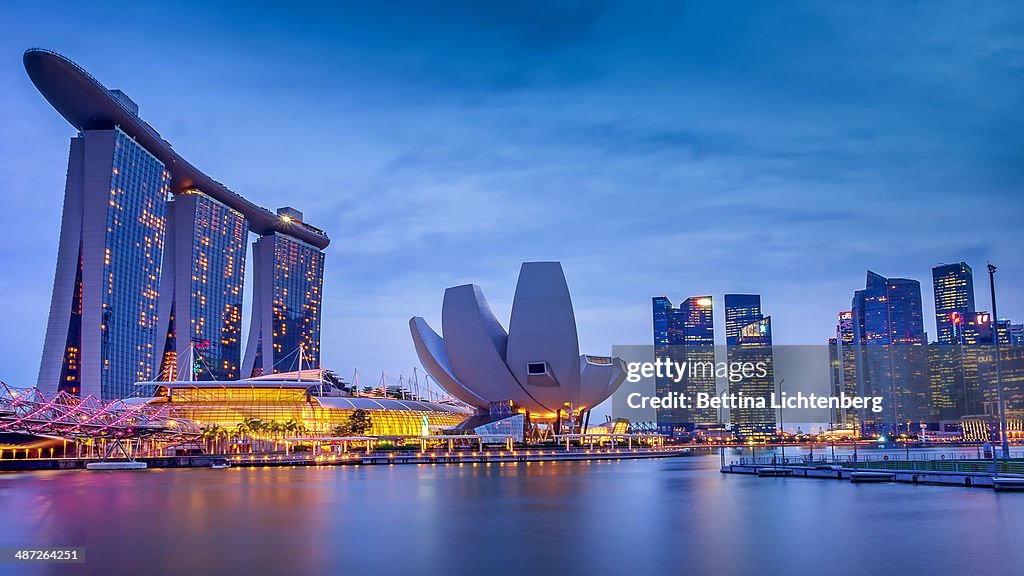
[533, 374]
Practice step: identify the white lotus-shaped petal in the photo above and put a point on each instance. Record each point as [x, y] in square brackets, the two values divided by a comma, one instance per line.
[430, 348]
[600, 377]
[475, 343]
[543, 329]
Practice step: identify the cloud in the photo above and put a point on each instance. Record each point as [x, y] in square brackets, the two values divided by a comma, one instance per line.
[660, 148]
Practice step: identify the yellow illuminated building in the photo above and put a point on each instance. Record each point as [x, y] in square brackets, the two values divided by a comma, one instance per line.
[316, 406]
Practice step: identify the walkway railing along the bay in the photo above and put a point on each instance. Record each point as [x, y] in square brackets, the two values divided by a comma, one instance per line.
[970, 460]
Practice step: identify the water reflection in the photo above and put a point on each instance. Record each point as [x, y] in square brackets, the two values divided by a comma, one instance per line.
[630, 517]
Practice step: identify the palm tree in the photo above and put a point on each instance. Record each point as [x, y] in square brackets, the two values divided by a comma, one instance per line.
[208, 432]
[276, 432]
[212, 434]
[291, 426]
[244, 429]
[261, 428]
[222, 435]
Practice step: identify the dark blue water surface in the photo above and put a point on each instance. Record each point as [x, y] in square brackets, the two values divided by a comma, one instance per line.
[671, 516]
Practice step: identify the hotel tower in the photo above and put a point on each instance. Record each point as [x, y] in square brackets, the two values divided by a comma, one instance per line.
[152, 258]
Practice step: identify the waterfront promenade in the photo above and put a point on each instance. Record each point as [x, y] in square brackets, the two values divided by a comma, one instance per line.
[379, 457]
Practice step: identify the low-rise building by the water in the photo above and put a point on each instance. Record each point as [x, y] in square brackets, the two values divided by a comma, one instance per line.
[311, 402]
[985, 427]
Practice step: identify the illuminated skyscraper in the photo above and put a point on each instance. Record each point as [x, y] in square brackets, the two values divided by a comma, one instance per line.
[953, 285]
[286, 308]
[740, 310]
[685, 333]
[663, 310]
[102, 336]
[201, 293]
[754, 346]
[691, 322]
[141, 277]
[843, 361]
[891, 356]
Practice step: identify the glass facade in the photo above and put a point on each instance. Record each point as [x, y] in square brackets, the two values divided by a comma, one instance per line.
[953, 285]
[71, 365]
[892, 357]
[218, 244]
[843, 363]
[296, 270]
[948, 383]
[685, 333]
[754, 346]
[228, 406]
[740, 310]
[662, 311]
[513, 426]
[136, 225]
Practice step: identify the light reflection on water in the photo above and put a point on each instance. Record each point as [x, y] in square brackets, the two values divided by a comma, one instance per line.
[629, 517]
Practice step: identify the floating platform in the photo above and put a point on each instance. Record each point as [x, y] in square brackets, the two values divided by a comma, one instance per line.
[772, 472]
[1008, 483]
[869, 476]
[1004, 482]
[116, 466]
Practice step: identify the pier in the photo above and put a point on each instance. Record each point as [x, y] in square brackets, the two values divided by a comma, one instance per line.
[956, 469]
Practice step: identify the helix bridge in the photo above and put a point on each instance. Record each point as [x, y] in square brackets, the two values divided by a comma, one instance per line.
[67, 417]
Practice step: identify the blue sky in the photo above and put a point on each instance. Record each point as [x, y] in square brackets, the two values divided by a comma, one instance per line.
[654, 148]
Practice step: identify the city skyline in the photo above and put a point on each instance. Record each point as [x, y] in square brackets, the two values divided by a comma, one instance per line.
[778, 229]
[733, 293]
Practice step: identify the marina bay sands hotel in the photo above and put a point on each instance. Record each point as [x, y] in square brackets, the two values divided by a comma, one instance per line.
[152, 258]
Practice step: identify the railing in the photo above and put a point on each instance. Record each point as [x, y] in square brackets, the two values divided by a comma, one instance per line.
[958, 461]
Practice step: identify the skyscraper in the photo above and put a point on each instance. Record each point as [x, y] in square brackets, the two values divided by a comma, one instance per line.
[142, 277]
[891, 358]
[201, 289]
[952, 373]
[693, 323]
[286, 310]
[754, 346]
[953, 285]
[843, 361]
[662, 310]
[102, 334]
[685, 333]
[740, 310]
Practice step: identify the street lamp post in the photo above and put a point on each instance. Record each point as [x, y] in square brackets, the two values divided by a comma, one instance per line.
[999, 374]
[782, 424]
